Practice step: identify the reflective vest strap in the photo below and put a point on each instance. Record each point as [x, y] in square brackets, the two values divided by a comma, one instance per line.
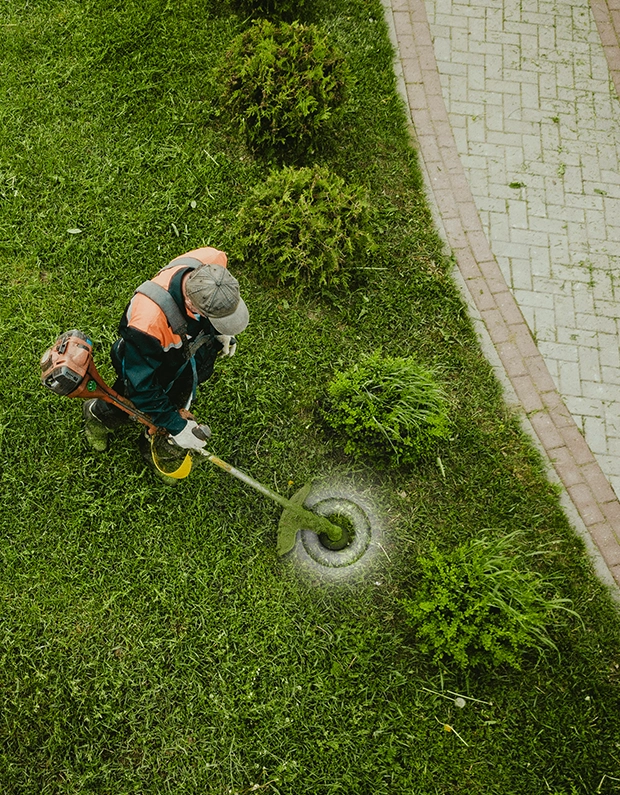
[188, 262]
[167, 304]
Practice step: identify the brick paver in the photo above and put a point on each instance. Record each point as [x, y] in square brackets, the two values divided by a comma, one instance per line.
[518, 125]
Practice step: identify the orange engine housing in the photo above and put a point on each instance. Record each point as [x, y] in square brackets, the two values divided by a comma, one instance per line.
[65, 366]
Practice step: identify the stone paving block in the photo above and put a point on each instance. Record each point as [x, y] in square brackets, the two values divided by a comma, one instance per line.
[589, 509]
[611, 375]
[613, 442]
[432, 155]
[552, 366]
[574, 336]
[544, 300]
[524, 341]
[604, 392]
[494, 277]
[479, 245]
[455, 232]
[546, 431]
[607, 543]
[570, 379]
[403, 25]
[513, 361]
[566, 467]
[528, 396]
[589, 364]
[509, 308]
[520, 274]
[518, 217]
[445, 199]
[607, 308]
[540, 263]
[559, 351]
[468, 265]
[412, 73]
[611, 510]
[548, 223]
[496, 325]
[544, 323]
[483, 297]
[557, 410]
[577, 445]
[598, 483]
[595, 434]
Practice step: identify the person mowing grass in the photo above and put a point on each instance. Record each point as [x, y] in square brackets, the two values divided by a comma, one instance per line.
[173, 330]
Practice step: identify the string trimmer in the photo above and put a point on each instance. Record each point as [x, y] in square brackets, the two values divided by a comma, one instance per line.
[68, 369]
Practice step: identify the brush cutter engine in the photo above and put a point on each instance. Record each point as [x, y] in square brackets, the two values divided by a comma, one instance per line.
[65, 366]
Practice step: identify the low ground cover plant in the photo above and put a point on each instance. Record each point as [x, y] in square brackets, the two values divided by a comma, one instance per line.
[282, 84]
[306, 229]
[478, 605]
[388, 409]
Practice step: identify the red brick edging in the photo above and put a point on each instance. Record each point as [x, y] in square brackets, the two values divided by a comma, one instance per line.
[607, 17]
[576, 467]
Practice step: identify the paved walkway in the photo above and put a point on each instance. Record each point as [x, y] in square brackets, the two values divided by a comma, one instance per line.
[515, 109]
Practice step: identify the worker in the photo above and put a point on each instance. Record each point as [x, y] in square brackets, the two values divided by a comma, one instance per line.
[173, 330]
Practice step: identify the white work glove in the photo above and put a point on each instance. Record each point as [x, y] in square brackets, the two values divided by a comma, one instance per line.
[229, 344]
[192, 437]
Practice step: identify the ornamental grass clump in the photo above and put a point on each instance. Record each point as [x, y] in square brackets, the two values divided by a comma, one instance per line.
[388, 409]
[282, 84]
[477, 605]
[305, 229]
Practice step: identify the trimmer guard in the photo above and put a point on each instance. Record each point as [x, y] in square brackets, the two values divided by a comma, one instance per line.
[291, 521]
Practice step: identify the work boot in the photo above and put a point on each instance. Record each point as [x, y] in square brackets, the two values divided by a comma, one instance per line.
[144, 444]
[95, 431]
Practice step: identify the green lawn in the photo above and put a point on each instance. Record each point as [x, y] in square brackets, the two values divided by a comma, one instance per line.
[151, 640]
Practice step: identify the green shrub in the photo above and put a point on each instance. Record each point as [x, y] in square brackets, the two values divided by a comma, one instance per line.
[305, 229]
[272, 9]
[282, 84]
[388, 408]
[476, 606]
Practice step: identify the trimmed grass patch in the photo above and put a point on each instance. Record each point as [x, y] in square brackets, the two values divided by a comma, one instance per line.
[152, 641]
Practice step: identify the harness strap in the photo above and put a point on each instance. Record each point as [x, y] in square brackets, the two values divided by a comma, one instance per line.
[167, 304]
[188, 262]
[174, 316]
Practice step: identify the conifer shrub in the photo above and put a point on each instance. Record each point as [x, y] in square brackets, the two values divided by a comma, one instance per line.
[282, 84]
[271, 9]
[306, 229]
[478, 606]
[388, 409]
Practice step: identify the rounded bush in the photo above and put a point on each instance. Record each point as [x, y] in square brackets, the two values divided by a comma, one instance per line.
[477, 606]
[388, 408]
[272, 9]
[305, 229]
[282, 84]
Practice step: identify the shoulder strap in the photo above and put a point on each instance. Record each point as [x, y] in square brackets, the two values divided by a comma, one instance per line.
[167, 304]
[188, 262]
